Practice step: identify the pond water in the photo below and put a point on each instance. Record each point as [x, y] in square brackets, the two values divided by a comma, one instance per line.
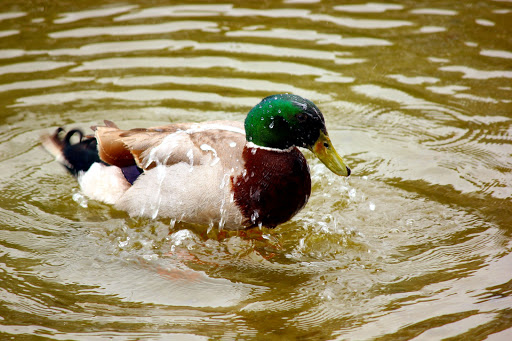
[415, 245]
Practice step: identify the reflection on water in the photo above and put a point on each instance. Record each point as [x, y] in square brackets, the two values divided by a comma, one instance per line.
[415, 245]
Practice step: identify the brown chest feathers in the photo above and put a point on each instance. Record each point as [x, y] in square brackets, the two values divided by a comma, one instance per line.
[273, 187]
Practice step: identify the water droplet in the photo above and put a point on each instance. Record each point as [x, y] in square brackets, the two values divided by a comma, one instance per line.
[155, 212]
[352, 193]
[222, 221]
[207, 148]
[223, 182]
[255, 215]
[80, 199]
[124, 243]
[190, 155]
[151, 257]
[372, 206]
[271, 125]
[232, 144]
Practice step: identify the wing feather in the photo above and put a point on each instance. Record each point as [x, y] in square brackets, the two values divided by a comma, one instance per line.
[192, 143]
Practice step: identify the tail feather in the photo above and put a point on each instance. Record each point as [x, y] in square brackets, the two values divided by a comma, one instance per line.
[75, 157]
[107, 123]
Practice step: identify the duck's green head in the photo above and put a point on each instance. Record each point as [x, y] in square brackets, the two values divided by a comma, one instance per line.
[284, 120]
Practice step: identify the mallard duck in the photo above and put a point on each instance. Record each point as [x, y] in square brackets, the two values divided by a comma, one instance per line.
[222, 173]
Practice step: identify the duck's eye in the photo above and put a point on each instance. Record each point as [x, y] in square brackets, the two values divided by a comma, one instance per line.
[326, 145]
[301, 117]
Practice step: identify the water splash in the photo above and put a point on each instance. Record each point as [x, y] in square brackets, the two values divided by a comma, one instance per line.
[208, 148]
[190, 155]
[79, 198]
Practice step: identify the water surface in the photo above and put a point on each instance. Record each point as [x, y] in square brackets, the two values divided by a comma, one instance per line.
[415, 245]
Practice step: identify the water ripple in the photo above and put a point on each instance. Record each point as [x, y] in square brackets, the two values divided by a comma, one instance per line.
[228, 10]
[11, 15]
[477, 74]
[130, 30]
[434, 11]
[132, 95]
[368, 8]
[203, 63]
[177, 11]
[497, 54]
[234, 83]
[29, 67]
[309, 35]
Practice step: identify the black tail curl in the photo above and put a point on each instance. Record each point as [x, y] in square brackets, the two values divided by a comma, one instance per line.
[77, 157]
[80, 156]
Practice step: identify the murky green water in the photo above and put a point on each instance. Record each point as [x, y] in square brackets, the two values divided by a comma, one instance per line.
[415, 245]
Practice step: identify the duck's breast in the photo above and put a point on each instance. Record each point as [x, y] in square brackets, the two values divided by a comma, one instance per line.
[273, 186]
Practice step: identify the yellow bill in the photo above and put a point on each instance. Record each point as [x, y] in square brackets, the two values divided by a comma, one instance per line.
[324, 150]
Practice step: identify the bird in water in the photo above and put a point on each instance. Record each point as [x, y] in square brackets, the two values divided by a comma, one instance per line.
[226, 173]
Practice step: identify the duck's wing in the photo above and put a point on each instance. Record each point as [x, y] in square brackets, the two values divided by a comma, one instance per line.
[192, 143]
